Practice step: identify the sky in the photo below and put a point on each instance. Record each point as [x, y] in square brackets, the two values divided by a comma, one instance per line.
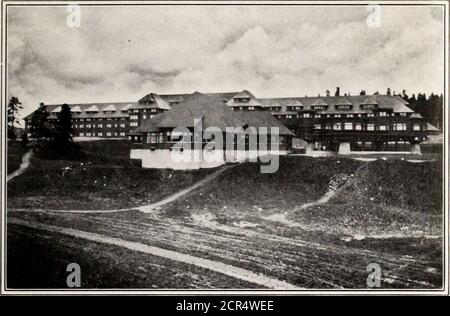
[125, 52]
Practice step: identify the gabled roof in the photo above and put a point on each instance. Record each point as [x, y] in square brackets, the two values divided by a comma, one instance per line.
[108, 108]
[83, 108]
[92, 108]
[244, 94]
[213, 112]
[152, 100]
[369, 100]
[432, 128]
[318, 101]
[294, 103]
[76, 108]
[342, 101]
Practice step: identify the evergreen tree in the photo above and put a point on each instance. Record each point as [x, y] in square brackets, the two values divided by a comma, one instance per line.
[14, 106]
[388, 92]
[40, 127]
[63, 128]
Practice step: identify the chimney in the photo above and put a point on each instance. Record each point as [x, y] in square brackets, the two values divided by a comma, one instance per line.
[337, 91]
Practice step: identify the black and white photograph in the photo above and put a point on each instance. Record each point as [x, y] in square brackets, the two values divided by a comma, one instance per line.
[181, 147]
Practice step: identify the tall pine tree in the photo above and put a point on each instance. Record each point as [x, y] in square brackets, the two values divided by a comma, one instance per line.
[14, 106]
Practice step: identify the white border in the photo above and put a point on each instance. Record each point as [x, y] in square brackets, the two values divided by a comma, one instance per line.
[3, 290]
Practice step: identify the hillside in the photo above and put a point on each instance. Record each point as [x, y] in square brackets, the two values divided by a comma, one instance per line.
[384, 196]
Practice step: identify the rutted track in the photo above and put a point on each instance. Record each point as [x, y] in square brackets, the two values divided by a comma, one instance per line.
[299, 262]
[220, 267]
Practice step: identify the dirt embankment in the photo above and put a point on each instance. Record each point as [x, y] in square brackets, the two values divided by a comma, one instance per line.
[383, 197]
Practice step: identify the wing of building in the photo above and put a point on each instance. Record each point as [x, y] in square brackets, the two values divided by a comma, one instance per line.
[331, 123]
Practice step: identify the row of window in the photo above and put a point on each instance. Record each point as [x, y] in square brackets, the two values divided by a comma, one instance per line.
[99, 119]
[100, 134]
[347, 126]
[144, 116]
[310, 115]
[144, 110]
[122, 125]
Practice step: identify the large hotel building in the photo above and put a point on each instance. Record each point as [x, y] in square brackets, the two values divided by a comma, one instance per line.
[328, 123]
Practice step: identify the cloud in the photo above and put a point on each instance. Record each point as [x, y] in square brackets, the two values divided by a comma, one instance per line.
[122, 53]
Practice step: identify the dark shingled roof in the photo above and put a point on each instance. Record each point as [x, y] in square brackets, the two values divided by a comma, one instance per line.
[214, 113]
[397, 104]
[120, 106]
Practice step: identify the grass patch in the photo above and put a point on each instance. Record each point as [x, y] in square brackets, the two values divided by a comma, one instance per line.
[100, 179]
[245, 189]
[384, 197]
[15, 153]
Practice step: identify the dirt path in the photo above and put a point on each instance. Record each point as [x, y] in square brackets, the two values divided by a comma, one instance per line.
[331, 193]
[226, 269]
[23, 166]
[144, 208]
[159, 204]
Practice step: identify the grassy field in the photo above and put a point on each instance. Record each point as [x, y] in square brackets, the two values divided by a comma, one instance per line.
[377, 212]
[103, 177]
[15, 153]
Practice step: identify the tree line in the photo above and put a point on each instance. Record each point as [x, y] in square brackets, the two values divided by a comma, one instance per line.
[50, 137]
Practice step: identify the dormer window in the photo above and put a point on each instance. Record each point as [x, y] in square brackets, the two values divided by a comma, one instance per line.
[242, 100]
[343, 107]
[319, 107]
[368, 106]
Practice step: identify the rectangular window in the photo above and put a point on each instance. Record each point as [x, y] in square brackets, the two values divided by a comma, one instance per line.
[370, 127]
[337, 126]
[382, 128]
[153, 110]
[251, 108]
[348, 126]
[399, 126]
[122, 125]
[100, 125]
[349, 115]
[81, 134]
[358, 126]
[122, 133]
[337, 115]
[134, 117]
[108, 134]
[317, 126]
[88, 126]
[100, 134]
[370, 115]
[416, 127]
[382, 114]
[133, 124]
[81, 125]
[306, 115]
[144, 116]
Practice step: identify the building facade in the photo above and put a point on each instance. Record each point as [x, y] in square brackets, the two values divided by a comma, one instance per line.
[362, 123]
